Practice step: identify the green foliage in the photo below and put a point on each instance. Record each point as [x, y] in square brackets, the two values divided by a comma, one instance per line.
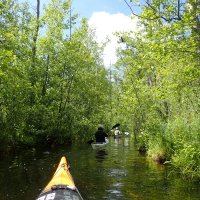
[187, 160]
[186, 149]
[54, 87]
[160, 90]
[51, 79]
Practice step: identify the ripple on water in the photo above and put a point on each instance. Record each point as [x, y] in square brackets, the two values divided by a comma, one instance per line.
[113, 194]
[118, 185]
[117, 172]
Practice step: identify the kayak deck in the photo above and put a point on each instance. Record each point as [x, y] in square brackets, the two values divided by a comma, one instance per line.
[62, 185]
[60, 195]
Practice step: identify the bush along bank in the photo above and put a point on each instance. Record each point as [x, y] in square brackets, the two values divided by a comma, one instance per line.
[176, 143]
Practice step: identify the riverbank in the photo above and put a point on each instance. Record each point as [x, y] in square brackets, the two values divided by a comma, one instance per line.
[175, 142]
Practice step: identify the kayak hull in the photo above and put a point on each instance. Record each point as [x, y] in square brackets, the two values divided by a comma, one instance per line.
[62, 185]
[100, 145]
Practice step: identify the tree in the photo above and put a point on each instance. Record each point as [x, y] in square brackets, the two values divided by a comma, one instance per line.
[161, 70]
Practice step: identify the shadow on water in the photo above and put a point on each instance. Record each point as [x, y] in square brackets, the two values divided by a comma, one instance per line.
[117, 172]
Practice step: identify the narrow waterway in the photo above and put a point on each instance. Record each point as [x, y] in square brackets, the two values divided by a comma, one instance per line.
[118, 172]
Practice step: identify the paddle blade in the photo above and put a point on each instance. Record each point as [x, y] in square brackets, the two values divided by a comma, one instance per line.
[116, 125]
[90, 141]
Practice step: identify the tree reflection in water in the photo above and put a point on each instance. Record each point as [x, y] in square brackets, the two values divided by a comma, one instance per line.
[101, 154]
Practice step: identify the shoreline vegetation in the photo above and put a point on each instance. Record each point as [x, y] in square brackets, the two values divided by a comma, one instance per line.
[56, 90]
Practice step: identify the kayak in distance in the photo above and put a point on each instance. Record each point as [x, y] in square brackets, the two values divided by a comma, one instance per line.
[100, 145]
[62, 185]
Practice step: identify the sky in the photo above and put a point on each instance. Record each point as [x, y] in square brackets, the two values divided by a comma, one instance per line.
[106, 17]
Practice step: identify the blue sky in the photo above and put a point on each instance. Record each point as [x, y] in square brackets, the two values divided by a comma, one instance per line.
[106, 17]
[86, 7]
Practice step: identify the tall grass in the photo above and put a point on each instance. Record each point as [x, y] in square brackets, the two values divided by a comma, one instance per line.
[186, 137]
[176, 141]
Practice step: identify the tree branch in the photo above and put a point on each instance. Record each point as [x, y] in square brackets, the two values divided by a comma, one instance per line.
[162, 17]
[139, 16]
[155, 13]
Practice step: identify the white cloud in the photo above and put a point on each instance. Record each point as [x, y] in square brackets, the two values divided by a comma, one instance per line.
[106, 24]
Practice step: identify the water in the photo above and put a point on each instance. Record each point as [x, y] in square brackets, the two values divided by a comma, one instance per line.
[118, 172]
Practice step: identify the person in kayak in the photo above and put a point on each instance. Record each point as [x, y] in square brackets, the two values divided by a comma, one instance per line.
[100, 135]
[117, 132]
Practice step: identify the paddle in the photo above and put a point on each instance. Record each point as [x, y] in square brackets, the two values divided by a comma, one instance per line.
[115, 126]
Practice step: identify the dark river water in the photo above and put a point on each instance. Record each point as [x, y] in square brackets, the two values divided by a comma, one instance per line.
[119, 172]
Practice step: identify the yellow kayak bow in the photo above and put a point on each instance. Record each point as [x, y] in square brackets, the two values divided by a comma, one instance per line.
[62, 185]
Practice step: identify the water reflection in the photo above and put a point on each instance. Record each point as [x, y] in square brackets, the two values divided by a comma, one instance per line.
[100, 154]
[126, 141]
[122, 141]
[117, 141]
[118, 172]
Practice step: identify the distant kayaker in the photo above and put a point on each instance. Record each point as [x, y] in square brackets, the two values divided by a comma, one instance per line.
[117, 132]
[100, 135]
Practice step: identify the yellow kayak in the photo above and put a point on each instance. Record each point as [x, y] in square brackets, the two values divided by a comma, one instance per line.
[62, 185]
